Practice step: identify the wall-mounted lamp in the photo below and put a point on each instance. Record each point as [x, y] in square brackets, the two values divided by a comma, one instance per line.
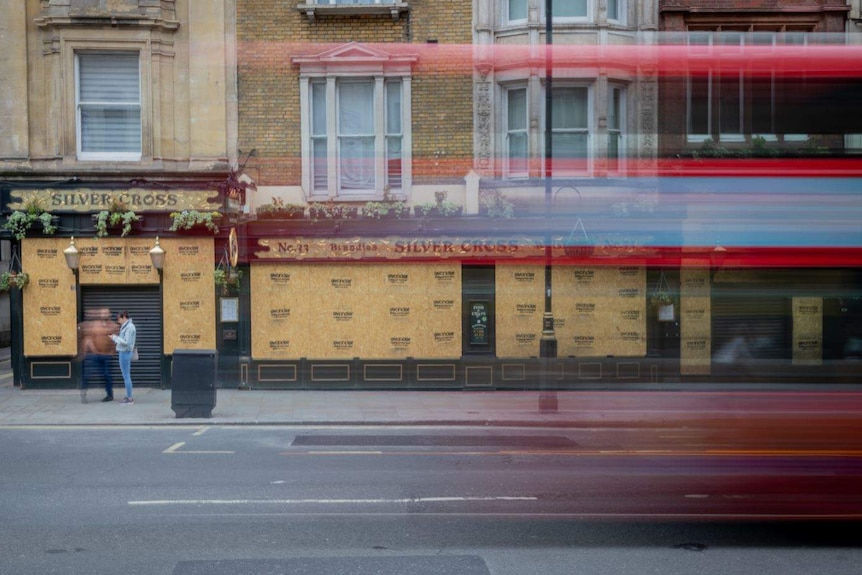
[157, 254]
[73, 257]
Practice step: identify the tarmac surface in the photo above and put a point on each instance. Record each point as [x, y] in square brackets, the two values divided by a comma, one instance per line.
[477, 408]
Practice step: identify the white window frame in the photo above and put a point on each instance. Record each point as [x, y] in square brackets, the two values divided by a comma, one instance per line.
[507, 170]
[352, 62]
[589, 130]
[620, 130]
[622, 7]
[83, 155]
[350, 2]
[507, 17]
[589, 16]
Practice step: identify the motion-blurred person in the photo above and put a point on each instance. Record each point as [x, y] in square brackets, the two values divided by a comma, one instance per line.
[86, 349]
[125, 344]
[97, 349]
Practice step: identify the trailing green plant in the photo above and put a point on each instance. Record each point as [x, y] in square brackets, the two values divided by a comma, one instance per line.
[19, 222]
[187, 219]
[223, 279]
[117, 214]
[662, 295]
[377, 210]
[331, 211]
[441, 206]
[12, 279]
[496, 205]
[277, 208]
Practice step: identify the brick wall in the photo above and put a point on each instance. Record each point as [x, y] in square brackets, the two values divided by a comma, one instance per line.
[270, 33]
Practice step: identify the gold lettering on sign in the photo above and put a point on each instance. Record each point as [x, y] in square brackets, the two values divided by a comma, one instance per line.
[96, 200]
[395, 248]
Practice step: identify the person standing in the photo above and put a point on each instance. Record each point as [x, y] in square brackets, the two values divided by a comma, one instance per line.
[102, 350]
[125, 343]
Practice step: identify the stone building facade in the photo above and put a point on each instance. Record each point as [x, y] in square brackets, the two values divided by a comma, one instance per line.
[128, 109]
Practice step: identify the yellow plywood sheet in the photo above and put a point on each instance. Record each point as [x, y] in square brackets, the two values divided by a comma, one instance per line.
[601, 311]
[116, 261]
[50, 314]
[344, 311]
[807, 330]
[695, 321]
[519, 310]
[189, 302]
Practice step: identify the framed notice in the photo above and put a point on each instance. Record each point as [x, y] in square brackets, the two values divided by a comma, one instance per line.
[479, 322]
[229, 309]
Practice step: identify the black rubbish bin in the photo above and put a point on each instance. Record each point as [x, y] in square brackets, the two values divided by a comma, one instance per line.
[193, 382]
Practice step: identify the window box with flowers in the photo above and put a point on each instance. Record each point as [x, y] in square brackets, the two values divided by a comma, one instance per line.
[332, 211]
[34, 215]
[494, 204]
[191, 220]
[440, 208]
[118, 215]
[278, 210]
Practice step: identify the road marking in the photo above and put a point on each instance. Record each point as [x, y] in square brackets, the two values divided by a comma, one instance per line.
[174, 450]
[201, 431]
[406, 500]
[345, 452]
[6, 375]
[600, 453]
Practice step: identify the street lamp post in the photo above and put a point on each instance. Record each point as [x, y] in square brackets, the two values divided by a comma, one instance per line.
[73, 260]
[548, 343]
[157, 256]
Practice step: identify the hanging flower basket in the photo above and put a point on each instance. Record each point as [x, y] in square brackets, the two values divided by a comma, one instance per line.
[578, 244]
[14, 279]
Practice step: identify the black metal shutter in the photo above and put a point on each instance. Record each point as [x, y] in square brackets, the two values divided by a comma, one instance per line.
[760, 312]
[142, 303]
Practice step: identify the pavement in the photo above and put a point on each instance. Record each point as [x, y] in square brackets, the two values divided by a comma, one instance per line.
[584, 409]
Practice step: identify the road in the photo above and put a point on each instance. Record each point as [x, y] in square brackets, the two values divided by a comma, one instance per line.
[184, 500]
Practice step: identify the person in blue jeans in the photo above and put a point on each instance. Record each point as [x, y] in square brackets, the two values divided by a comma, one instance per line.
[125, 342]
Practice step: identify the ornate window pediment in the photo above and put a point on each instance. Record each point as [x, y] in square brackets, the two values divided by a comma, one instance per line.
[354, 57]
[314, 9]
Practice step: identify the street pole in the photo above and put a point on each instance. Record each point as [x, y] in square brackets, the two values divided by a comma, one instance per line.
[548, 343]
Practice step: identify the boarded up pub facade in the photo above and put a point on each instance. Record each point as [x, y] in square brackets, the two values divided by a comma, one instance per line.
[411, 303]
[417, 302]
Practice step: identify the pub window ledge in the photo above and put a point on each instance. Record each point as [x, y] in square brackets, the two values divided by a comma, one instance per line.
[314, 11]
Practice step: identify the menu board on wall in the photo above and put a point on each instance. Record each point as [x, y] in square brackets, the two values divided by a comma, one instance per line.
[807, 330]
[695, 321]
[50, 316]
[381, 311]
[520, 307]
[189, 312]
[599, 311]
[116, 261]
